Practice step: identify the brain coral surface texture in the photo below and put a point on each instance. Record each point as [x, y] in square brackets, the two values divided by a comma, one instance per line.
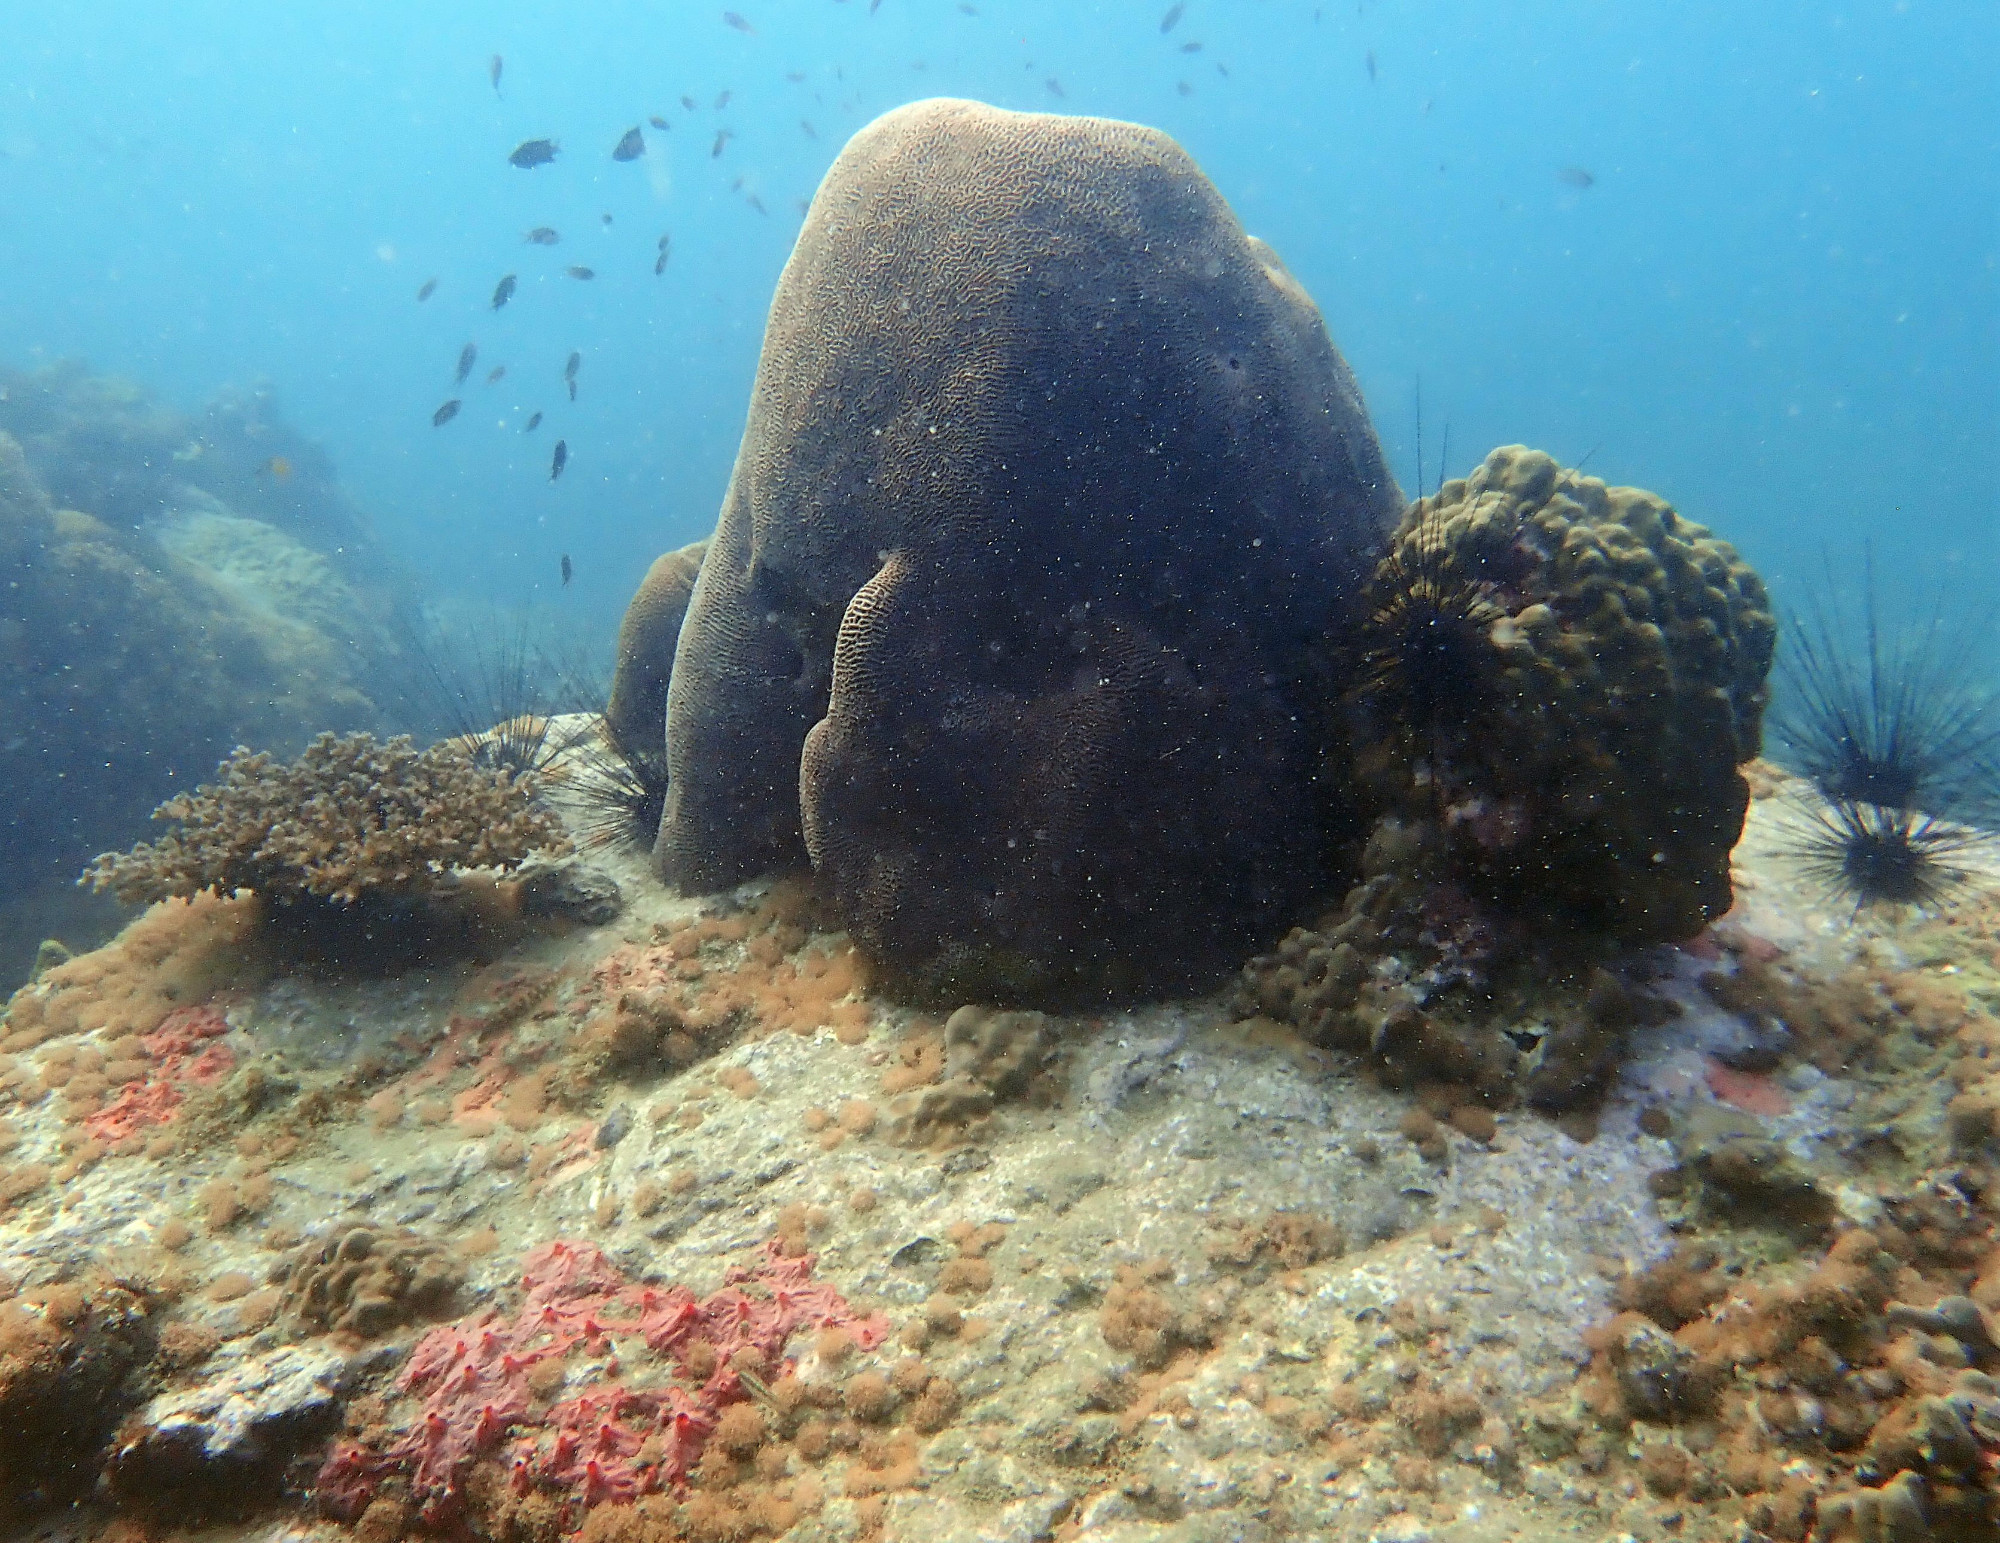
[637, 712]
[1051, 475]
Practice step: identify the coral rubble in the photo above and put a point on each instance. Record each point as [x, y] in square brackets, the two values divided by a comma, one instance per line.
[1051, 475]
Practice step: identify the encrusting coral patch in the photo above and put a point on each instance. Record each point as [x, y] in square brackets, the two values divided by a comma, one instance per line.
[546, 1412]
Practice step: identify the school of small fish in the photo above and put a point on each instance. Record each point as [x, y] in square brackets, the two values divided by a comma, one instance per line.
[632, 145]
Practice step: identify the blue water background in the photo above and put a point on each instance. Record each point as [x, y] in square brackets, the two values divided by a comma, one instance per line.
[1775, 305]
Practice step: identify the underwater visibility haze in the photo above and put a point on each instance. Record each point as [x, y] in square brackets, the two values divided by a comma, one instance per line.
[950, 770]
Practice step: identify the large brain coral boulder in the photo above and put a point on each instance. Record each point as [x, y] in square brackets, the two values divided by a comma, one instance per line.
[1570, 677]
[1051, 476]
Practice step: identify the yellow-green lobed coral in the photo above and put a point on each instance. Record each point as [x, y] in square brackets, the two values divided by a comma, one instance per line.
[352, 818]
[1584, 757]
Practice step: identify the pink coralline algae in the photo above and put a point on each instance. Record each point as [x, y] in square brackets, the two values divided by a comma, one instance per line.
[612, 1441]
[181, 1051]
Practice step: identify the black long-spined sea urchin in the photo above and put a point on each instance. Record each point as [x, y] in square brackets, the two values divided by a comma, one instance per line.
[1898, 723]
[622, 793]
[1425, 647]
[1874, 856]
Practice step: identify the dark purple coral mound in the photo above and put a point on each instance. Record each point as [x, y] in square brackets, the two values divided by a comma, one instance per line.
[1052, 480]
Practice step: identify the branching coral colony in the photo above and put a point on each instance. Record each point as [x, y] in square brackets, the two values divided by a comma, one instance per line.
[352, 820]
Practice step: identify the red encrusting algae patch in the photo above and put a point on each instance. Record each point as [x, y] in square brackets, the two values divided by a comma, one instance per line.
[612, 1441]
[1751, 1092]
[181, 1052]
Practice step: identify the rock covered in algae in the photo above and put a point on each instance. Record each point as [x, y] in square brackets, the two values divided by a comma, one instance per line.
[124, 664]
[1607, 685]
[1050, 475]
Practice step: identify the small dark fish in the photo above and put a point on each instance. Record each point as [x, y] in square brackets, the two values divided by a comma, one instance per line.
[575, 364]
[736, 184]
[534, 422]
[426, 290]
[734, 19]
[659, 265]
[503, 291]
[658, 122]
[466, 356]
[631, 145]
[606, 217]
[572, 391]
[722, 99]
[758, 204]
[689, 103]
[1183, 88]
[445, 414]
[795, 76]
[666, 241]
[1576, 177]
[531, 153]
[493, 72]
[559, 460]
[495, 375]
[1055, 87]
[543, 235]
[874, 6]
[578, 271]
[1190, 48]
[1222, 69]
[1172, 19]
[806, 128]
[1370, 61]
[967, 8]
[721, 139]
[569, 573]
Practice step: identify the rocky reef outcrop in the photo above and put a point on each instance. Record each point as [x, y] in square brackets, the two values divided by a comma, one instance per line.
[170, 587]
